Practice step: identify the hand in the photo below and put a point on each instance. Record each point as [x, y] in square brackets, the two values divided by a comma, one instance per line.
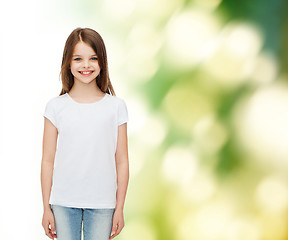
[48, 219]
[118, 223]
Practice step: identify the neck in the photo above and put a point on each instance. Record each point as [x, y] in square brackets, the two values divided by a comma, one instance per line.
[81, 89]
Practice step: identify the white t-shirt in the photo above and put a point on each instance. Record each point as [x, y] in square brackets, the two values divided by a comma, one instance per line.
[84, 174]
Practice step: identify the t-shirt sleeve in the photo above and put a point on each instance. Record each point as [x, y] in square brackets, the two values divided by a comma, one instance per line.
[50, 113]
[122, 112]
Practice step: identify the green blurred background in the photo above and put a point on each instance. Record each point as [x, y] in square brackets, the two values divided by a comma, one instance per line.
[206, 87]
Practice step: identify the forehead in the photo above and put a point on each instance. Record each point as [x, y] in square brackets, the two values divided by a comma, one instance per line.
[82, 48]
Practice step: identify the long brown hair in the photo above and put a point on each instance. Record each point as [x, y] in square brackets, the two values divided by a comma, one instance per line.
[95, 41]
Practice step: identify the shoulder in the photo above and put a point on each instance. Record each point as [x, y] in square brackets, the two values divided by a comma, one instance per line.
[56, 101]
[116, 100]
[57, 98]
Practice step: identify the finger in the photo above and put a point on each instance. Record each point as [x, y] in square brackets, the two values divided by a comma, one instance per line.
[118, 229]
[53, 230]
[53, 235]
[112, 236]
[47, 231]
[114, 229]
[49, 234]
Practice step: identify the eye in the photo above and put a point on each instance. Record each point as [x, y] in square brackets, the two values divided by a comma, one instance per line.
[94, 58]
[77, 59]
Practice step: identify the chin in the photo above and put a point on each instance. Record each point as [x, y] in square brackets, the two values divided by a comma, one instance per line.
[87, 79]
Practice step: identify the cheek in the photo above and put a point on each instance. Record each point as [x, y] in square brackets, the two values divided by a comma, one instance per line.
[73, 67]
[73, 70]
[98, 65]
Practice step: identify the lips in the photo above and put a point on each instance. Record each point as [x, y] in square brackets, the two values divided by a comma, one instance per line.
[86, 72]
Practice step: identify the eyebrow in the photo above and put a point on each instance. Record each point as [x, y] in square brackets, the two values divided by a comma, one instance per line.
[80, 55]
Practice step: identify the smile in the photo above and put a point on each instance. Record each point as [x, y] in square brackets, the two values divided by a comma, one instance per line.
[88, 73]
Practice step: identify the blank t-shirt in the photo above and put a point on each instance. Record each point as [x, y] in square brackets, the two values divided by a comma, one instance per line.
[84, 174]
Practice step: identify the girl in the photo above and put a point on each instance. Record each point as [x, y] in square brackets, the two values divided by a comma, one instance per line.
[88, 182]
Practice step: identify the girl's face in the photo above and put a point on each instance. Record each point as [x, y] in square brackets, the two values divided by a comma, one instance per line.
[84, 64]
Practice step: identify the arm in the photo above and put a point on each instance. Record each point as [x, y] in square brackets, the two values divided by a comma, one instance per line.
[47, 165]
[122, 167]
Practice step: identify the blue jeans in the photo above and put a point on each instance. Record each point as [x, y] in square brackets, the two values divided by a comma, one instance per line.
[97, 223]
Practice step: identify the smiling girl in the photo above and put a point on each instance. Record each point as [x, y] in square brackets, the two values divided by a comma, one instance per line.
[85, 167]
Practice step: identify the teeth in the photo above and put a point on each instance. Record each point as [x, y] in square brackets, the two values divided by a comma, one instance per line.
[85, 72]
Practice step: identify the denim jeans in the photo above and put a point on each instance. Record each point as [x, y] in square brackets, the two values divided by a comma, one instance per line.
[97, 223]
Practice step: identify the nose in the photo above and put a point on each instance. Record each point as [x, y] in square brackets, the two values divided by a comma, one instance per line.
[86, 63]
